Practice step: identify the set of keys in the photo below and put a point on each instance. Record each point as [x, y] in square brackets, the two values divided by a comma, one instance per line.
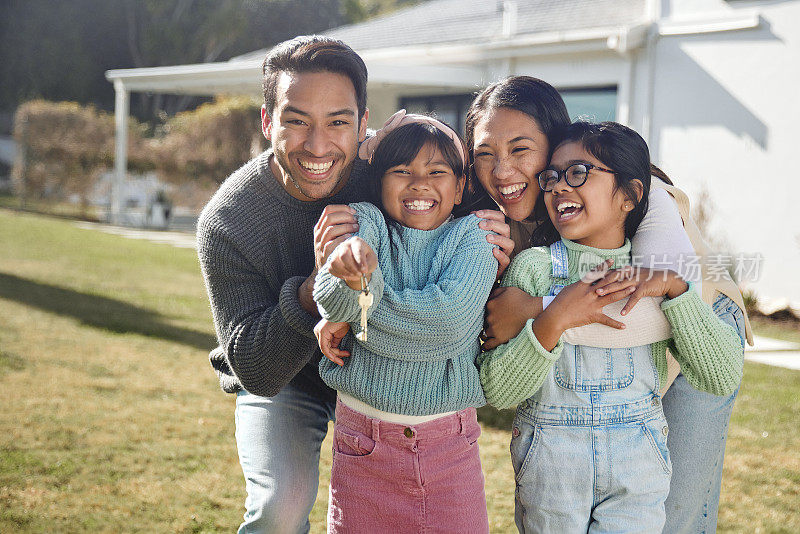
[365, 299]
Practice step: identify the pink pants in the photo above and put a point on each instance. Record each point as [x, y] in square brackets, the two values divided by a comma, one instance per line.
[392, 478]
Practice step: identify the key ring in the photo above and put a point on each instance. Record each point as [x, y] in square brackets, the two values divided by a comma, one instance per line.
[364, 286]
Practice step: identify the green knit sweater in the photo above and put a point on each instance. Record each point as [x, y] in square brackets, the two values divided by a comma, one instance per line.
[708, 350]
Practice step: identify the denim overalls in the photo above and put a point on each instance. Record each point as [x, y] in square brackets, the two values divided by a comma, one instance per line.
[589, 449]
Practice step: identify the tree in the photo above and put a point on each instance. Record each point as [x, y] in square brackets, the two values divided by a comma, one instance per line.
[61, 50]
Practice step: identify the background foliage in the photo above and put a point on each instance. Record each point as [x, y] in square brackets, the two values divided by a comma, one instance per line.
[60, 50]
[210, 142]
[64, 146]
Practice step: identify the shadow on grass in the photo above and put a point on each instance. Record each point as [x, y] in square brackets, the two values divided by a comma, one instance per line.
[499, 419]
[100, 312]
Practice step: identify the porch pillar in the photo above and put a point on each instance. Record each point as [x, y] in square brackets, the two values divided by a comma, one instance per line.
[121, 110]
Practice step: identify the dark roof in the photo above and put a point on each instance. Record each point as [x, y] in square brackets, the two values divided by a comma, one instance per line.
[452, 21]
[459, 21]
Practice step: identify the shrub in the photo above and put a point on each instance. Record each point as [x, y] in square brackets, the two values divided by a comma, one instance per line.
[210, 142]
[64, 147]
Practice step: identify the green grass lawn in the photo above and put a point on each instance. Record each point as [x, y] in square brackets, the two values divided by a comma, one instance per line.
[112, 419]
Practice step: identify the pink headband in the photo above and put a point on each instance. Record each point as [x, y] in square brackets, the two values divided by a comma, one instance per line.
[400, 118]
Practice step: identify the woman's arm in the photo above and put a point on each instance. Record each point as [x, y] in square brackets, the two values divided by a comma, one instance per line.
[516, 370]
[660, 242]
[507, 311]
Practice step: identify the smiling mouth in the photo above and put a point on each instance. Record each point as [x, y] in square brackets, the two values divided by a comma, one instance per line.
[568, 210]
[316, 168]
[513, 191]
[419, 206]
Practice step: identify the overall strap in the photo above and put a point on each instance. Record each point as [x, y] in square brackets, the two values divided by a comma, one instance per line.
[558, 259]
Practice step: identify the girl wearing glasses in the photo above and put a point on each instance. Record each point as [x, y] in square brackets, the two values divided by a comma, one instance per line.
[589, 445]
[510, 129]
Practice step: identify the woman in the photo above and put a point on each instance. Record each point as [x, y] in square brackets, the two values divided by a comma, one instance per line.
[508, 132]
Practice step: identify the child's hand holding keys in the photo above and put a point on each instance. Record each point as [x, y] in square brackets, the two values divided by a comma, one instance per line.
[351, 260]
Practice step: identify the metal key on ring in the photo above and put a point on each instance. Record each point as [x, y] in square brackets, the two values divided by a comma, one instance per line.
[365, 299]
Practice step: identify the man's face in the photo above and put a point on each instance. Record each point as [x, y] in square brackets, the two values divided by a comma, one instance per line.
[314, 130]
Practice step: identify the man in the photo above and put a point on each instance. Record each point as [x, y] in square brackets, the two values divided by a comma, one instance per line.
[259, 261]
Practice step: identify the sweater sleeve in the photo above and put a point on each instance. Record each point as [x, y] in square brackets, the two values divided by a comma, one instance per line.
[430, 323]
[267, 336]
[336, 300]
[709, 351]
[515, 370]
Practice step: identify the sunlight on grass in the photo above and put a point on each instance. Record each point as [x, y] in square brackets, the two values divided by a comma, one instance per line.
[112, 418]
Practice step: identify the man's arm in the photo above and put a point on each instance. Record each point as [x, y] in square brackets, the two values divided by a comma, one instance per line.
[265, 332]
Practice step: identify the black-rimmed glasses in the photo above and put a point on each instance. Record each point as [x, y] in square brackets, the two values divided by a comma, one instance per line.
[575, 175]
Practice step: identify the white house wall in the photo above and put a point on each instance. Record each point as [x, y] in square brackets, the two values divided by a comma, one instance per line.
[725, 118]
[598, 69]
[566, 72]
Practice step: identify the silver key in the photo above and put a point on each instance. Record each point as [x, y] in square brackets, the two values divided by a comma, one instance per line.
[365, 299]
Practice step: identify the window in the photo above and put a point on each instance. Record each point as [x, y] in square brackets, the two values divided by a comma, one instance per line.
[451, 109]
[595, 104]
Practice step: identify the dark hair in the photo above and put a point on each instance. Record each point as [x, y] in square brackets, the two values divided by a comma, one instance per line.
[658, 173]
[532, 96]
[314, 53]
[400, 147]
[619, 148]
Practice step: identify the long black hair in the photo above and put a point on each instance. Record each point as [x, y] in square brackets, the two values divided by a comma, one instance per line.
[533, 97]
[400, 147]
[620, 149]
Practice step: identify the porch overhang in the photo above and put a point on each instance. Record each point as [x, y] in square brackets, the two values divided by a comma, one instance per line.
[245, 77]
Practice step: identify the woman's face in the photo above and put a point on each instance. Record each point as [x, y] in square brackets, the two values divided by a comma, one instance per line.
[510, 151]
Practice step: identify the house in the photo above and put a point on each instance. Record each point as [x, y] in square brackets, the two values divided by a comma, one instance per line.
[8, 151]
[710, 84]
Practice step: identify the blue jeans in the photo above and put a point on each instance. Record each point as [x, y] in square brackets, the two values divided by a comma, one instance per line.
[279, 440]
[698, 424]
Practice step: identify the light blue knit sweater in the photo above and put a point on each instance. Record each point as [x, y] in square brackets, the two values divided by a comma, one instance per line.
[430, 291]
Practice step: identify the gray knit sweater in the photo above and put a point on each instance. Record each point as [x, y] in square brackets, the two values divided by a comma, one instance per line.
[255, 244]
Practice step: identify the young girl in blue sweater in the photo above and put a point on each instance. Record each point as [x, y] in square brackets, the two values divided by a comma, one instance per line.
[589, 445]
[405, 453]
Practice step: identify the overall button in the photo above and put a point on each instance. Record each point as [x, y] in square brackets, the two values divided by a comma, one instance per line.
[665, 430]
[515, 432]
[408, 432]
[655, 401]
